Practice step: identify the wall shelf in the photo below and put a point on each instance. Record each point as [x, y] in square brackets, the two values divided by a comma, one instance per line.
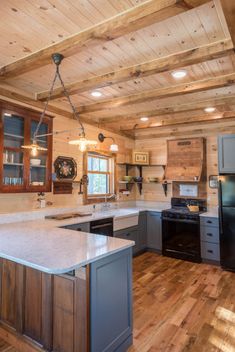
[140, 168]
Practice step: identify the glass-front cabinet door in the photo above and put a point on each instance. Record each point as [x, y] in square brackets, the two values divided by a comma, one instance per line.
[21, 171]
[38, 163]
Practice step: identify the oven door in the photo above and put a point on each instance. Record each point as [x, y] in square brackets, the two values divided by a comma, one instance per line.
[181, 239]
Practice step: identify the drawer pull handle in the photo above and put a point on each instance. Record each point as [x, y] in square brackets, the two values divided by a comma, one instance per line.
[127, 235]
[210, 251]
[209, 234]
[79, 229]
[209, 222]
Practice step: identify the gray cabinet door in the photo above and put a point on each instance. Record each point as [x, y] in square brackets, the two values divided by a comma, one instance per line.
[131, 234]
[154, 230]
[226, 154]
[142, 226]
[111, 303]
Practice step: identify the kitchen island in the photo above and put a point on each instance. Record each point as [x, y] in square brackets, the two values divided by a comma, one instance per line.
[62, 290]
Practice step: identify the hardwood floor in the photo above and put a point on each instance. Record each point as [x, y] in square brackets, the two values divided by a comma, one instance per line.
[5, 347]
[180, 307]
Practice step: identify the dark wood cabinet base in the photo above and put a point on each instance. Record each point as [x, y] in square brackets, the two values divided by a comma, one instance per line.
[44, 312]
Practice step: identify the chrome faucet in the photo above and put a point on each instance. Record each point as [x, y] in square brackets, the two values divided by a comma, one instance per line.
[106, 205]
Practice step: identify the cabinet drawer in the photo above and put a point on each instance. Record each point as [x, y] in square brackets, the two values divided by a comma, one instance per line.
[209, 221]
[127, 235]
[210, 251]
[210, 234]
[84, 227]
[131, 235]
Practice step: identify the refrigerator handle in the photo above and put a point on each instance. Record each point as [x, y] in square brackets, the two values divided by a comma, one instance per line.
[220, 207]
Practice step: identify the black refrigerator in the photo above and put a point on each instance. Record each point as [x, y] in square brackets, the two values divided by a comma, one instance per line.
[227, 221]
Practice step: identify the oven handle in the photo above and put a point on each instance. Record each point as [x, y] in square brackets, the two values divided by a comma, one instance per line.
[181, 220]
[101, 226]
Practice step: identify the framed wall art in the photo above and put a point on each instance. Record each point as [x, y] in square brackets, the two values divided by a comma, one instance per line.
[140, 158]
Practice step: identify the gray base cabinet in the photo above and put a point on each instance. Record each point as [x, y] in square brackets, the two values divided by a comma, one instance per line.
[111, 303]
[131, 234]
[210, 248]
[154, 231]
[226, 159]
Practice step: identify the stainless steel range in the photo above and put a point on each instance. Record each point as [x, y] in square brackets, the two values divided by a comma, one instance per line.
[181, 229]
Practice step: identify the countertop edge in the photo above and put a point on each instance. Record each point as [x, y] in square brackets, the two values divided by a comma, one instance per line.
[65, 270]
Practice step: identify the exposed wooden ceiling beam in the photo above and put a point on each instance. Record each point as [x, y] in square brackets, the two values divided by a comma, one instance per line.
[196, 105]
[207, 129]
[181, 122]
[140, 16]
[159, 65]
[228, 9]
[165, 92]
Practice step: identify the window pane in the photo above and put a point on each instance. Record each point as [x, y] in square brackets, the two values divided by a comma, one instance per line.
[97, 164]
[103, 165]
[98, 184]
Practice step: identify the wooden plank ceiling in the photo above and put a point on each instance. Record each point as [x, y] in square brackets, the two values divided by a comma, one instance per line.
[126, 50]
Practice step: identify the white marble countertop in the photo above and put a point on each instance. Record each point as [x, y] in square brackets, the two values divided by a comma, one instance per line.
[54, 250]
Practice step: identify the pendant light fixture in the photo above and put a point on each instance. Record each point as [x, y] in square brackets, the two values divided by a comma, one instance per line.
[113, 147]
[81, 141]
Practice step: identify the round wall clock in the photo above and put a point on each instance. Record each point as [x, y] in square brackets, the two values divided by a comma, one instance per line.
[65, 168]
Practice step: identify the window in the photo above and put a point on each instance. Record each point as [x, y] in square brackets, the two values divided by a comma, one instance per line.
[100, 174]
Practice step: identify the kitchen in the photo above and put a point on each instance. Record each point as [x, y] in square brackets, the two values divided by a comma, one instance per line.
[117, 176]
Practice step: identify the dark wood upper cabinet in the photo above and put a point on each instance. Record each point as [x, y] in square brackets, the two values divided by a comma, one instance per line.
[19, 171]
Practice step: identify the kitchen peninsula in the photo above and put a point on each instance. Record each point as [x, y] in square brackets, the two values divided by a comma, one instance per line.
[64, 291]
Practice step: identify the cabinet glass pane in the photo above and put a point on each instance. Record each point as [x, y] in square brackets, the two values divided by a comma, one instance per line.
[13, 128]
[12, 175]
[37, 176]
[11, 157]
[42, 141]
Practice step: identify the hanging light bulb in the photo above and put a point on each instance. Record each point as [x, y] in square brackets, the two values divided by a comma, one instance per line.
[34, 148]
[34, 151]
[83, 143]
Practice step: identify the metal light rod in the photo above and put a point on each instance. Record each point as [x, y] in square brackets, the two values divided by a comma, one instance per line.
[56, 132]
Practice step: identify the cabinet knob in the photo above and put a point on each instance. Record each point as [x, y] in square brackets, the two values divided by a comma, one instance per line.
[209, 222]
[209, 234]
[210, 251]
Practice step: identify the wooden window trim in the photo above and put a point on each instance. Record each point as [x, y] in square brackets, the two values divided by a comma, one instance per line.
[99, 198]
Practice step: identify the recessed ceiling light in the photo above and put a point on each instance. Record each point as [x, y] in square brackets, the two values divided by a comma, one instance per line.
[96, 94]
[179, 73]
[144, 118]
[209, 109]
[7, 114]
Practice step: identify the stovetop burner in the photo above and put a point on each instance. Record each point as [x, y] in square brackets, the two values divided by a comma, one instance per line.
[179, 209]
